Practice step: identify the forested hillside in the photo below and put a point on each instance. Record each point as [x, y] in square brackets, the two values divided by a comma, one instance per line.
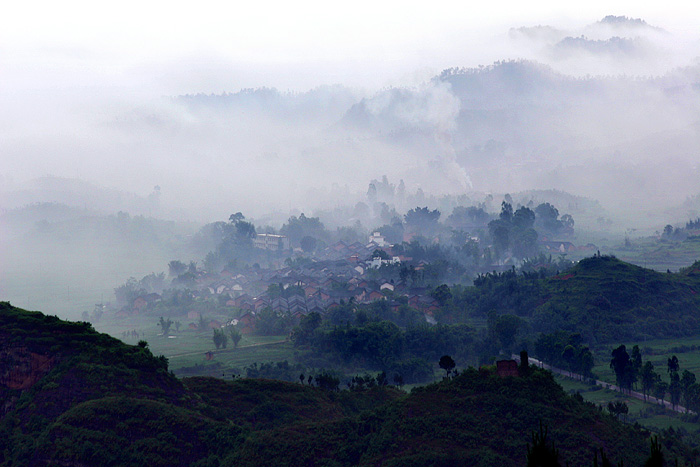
[602, 298]
[74, 397]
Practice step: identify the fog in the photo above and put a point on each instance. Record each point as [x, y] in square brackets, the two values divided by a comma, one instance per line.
[191, 118]
[609, 98]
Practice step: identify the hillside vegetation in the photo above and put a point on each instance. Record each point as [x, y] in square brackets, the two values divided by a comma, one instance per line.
[74, 397]
[602, 298]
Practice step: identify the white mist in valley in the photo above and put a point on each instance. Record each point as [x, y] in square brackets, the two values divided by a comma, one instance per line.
[189, 116]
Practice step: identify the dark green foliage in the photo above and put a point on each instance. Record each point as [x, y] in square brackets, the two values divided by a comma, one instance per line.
[381, 345]
[474, 419]
[565, 350]
[300, 227]
[81, 365]
[503, 330]
[648, 377]
[272, 323]
[105, 403]
[623, 367]
[618, 408]
[656, 457]
[328, 381]
[442, 294]
[282, 371]
[541, 453]
[447, 363]
[220, 338]
[422, 220]
[165, 325]
[602, 298]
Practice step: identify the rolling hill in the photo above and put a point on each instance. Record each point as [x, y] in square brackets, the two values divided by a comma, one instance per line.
[74, 397]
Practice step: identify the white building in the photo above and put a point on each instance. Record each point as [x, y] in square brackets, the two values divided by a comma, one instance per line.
[378, 239]
[271, 242]
[377, 262]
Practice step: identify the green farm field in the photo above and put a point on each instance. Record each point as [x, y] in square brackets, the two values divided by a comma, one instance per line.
[647, 414]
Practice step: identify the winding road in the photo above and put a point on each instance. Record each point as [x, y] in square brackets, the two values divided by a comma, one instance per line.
[605, 384]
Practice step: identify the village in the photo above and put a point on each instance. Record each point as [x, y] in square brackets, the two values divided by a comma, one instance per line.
[340, 274]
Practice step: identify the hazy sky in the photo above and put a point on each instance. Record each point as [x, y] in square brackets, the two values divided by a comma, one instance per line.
[82, 85]
[81, 81]
[138, 44]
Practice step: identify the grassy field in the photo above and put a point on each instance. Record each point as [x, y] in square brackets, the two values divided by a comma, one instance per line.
[660, 255]
[657, 352]
[187, 348]
[647, 414]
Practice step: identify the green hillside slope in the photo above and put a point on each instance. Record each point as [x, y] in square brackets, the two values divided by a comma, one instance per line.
[74, 397]
[604, 299]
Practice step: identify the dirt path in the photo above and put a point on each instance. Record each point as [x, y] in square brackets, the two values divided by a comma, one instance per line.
[605, 384]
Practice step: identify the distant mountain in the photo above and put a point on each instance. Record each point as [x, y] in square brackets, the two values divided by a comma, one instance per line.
[615, 46]
[73, 397]
[628, 23]
[518, 124]
[77, 193]
[323, 104]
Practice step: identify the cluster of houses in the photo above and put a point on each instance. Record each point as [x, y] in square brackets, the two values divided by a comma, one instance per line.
[341, 273]
[337, 275]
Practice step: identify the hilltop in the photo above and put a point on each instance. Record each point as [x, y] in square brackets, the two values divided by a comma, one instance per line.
[604, 299]
[72, 397]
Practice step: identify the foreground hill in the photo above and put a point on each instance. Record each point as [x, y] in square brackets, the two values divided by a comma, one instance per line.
[74, 397]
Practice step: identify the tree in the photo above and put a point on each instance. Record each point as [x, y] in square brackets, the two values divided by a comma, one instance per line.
[636, 361]
[442, 294]
[687, 382]
[506, 214]
[649, 377]
[660, 388]
[524, 242]
[504, 329]
[235, 335]
[328, 381]
[567, 223]
[220, 338]
[303, 333]
[668, 230]
[381, 254]
[675, 389]
[467, 218]
[585, 362]
[297, 228]
[524, 218]
[447, 364]
[423, 220]
[524, 368]
[673, 364]
[176, 268]
[569, 356]
[165, 325]
[604, 461]
[499, 230]
[656, 457]
[623, 368]
[308, 244]
[128, 292]
[233, 218]
[618, 408]
[547, 217]
[541, 453]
